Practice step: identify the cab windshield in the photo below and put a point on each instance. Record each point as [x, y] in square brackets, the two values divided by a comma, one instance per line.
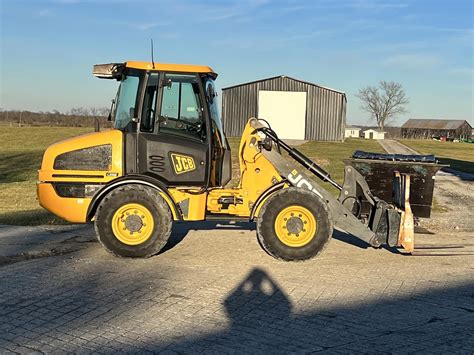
[126, 101]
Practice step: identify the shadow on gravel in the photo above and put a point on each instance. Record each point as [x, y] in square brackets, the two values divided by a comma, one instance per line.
[180, 231]
[135, 306]
[262, 321]
[349, 239]
[60, 305]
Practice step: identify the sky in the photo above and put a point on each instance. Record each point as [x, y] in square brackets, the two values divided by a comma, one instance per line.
[48, 47]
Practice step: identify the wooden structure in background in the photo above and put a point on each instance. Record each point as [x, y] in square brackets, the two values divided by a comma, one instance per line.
[427, 129]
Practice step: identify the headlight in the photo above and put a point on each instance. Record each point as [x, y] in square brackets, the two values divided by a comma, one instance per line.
[77, 190]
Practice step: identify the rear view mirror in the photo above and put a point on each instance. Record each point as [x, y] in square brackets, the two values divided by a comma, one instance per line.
[109, 117]
[167, 83]
[210, 93]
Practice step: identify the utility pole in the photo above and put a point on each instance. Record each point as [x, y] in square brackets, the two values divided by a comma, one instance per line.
[19, 122]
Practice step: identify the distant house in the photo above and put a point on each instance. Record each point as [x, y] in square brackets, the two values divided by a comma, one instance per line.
[427, 129]
[374, 134]
[351, 131]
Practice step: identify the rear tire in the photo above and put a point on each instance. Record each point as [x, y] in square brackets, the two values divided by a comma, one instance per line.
[294, 225]
[133, 221]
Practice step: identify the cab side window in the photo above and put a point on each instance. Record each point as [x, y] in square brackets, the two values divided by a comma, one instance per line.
[181, 107]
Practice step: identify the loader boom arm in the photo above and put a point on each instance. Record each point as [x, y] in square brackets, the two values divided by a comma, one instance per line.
[384, 223]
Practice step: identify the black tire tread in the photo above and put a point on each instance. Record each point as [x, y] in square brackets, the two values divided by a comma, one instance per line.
[286, 195]
[165, 218]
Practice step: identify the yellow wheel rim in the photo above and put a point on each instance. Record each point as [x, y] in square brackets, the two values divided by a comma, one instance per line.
[132, 224]
[295, 226]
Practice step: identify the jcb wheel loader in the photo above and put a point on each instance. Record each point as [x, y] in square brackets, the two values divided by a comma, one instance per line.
[167, 160]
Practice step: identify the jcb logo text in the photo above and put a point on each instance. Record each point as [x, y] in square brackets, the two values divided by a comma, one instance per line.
[182, 163]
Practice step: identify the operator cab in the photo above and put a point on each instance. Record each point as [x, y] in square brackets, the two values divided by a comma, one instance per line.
[170, 120]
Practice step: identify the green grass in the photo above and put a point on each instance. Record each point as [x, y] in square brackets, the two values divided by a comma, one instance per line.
[21, 150]
[460, 156]
[330, 155]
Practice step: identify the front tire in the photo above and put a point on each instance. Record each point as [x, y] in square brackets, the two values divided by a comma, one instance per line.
[133, 221]
[294, 225]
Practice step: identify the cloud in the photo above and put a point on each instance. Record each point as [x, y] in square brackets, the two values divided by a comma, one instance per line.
[67, 2]
[412, 61]
[268, 43]
[462, 71]
[376, 6]
[301, 36]
[142, 26]
[147, 26]
[223, 11]
[45, 13]
[169, 36]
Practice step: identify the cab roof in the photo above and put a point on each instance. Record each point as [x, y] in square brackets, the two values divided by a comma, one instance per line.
[109, 71]
[187, 68]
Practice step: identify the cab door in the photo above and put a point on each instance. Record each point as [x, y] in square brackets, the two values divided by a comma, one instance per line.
[173, 143]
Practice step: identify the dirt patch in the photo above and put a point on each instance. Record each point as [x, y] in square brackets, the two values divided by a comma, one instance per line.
[64, 247]
[456, 200]
[7, 260]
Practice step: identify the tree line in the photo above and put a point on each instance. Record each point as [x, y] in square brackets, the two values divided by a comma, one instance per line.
[383, 102]
[76, 117]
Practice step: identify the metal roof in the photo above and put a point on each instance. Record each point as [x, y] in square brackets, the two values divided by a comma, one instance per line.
[284, 76]
[374, 130]
[433, 124]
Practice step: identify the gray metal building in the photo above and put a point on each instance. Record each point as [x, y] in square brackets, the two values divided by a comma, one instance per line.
[313, 112]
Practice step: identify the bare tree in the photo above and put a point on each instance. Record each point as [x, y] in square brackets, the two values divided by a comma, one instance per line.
[383, 102]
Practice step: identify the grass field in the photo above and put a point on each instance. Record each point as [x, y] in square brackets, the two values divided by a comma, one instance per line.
[460, 156]
[330, 155]
[21, 150]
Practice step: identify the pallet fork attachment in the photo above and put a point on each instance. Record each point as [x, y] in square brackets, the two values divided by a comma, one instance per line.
[406, 237]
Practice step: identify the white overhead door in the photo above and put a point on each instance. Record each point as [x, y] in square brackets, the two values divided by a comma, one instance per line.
[285, 111]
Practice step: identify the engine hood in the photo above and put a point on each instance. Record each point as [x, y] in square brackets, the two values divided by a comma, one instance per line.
[94, 156]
